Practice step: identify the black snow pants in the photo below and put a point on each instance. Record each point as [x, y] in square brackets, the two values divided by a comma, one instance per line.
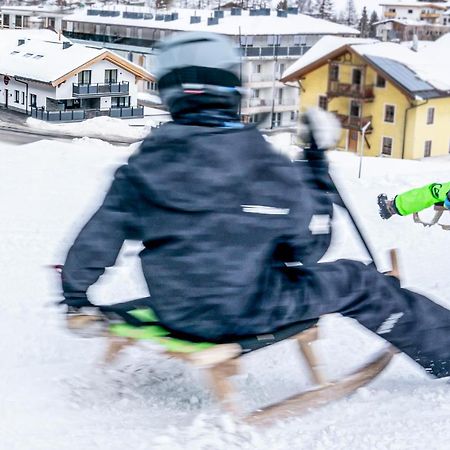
[411, 322]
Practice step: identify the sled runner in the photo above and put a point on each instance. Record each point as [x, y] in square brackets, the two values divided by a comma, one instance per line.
[125, 323]
[439, 210]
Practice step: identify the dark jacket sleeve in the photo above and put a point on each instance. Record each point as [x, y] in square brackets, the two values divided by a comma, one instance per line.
[99, 242]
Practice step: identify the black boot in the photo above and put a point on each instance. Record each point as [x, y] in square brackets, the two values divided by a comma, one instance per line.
[386, 207]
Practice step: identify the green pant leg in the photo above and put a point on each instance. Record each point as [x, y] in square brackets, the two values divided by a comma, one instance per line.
[420, 198]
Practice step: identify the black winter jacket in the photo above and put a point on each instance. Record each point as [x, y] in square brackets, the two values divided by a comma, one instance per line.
[219, 213]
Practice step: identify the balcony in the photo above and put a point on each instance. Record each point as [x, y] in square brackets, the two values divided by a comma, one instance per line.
[390, 15]
[101, 89]
[127, 112]
[74, 115]
[336, 89]
[271, 52]
[429, 15]
[78, 115]
[354, 123]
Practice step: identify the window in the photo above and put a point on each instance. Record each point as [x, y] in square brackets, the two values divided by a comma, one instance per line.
[6, 20]
[389, 113]
[274, 40]
[120, 102]
[323, 102]
[334, 73]
[84, 77]
[276, 119]
[294, 117]
[427, 149]
[355, 109]
[258, 68]
[152, 85]
[281, 67]
[386, 148]
[247, 41]
[381, 82]
[33, 100]
[38, 56]
[299, 40]
[430, 116]
[23, 98]
[410, 11]
[18, 22]
[16, 96]
[111, 76]
[255, 93]
[280, 96]
[27, 55]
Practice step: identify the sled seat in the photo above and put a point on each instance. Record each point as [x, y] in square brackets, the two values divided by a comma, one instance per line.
[136, 320]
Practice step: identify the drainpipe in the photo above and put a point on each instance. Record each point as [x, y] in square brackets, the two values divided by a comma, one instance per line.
[26, 95]
[417, 98]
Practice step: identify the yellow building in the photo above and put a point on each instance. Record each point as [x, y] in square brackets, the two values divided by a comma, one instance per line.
[373, 85]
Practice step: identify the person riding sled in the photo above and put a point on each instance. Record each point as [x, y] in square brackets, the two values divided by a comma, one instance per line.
[414, 200]
[226, 223]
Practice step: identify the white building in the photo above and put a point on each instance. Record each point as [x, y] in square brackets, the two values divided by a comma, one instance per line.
[33, 16]
[60, 81]
[431, 12]
[269, 42]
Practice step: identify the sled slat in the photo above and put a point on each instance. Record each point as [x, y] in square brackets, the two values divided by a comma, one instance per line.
[301, 403]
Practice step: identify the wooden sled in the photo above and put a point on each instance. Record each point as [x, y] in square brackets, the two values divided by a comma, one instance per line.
[438, 211]
[221, 361]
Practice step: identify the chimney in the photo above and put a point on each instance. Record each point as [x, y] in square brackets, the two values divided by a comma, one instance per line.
[21, 42]
[67, 44]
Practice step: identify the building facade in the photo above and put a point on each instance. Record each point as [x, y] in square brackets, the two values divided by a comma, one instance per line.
[269, 42]
[61, 81]
[402, 114]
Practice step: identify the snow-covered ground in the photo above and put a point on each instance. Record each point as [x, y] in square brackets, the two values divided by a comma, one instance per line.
[55, 396]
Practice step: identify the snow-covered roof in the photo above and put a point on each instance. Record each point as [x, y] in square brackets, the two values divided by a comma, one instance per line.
[233, 25]
[10, 38]
[427, 65]
[417, 4]
[44, 9]
[50, 61]
[325, 46]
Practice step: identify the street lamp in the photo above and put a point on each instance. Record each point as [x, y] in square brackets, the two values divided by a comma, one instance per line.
[361, 146]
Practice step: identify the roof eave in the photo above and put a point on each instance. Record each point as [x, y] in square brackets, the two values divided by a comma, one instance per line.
[109, 56]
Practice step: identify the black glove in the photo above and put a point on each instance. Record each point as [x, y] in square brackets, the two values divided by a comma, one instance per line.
[75, 302]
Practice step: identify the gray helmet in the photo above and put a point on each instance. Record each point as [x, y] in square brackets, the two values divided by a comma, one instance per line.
[196, 62]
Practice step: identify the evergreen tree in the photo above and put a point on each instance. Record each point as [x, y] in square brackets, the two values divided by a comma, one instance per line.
[373, 20]
[283, 4]
[364, 24]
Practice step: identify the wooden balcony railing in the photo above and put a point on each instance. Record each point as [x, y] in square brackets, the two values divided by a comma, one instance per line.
[336, 89]
[354, 123]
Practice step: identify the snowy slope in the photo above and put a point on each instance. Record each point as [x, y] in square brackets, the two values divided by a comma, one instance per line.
[55, 396]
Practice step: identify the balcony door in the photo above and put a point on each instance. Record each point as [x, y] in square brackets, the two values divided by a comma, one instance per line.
[357, 77]
[355, 109]
[353, 140]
